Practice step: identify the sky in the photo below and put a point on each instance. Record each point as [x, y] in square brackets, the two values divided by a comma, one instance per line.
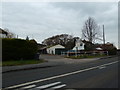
[41, 20]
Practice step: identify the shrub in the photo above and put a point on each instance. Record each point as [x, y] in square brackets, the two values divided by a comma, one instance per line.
[112, 51]
[17, 49]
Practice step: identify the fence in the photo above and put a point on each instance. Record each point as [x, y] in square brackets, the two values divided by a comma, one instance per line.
[79, 53]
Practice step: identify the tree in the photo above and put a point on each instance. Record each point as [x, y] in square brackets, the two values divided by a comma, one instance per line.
[27, 38]
[90, 30]
[88, 45]
[8, 33]
[64, 39]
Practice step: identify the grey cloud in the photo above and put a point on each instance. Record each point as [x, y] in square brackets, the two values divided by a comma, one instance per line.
[43, 20]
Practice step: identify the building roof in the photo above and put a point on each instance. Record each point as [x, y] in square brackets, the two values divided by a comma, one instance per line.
[58, 45]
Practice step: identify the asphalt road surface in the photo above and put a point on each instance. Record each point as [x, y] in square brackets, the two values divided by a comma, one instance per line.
[101, 73]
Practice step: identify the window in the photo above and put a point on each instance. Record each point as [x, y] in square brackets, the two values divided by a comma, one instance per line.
[81, 44]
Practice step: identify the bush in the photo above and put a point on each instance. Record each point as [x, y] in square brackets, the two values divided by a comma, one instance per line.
[17, 49]
[112, 51]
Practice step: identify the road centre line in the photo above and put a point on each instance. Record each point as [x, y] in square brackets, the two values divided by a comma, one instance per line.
[59, 76]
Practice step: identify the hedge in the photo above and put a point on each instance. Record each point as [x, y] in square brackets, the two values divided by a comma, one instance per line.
[18, 49]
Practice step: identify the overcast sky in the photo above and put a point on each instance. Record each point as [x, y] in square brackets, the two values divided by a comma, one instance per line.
[40, 20]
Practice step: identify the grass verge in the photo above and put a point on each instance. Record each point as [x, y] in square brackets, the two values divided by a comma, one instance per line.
[20, 62]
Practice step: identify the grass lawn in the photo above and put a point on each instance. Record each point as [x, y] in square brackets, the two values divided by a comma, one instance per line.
[85, 56]
[20, 62]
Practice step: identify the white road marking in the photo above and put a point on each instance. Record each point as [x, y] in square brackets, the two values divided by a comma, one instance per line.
[58, 76]
[109, 63]
[102, 67]
[31, 86]
[60, 86]
[48, 85]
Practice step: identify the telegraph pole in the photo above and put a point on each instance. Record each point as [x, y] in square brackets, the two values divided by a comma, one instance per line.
[103, 36]
[17, 36]
[104, 39]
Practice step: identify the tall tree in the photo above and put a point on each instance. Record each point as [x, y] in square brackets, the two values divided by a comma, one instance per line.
[64, 39]
[90, 30]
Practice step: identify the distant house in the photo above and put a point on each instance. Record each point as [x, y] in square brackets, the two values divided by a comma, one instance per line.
[106, 46]
[79, 45]
[98, 48]
[57, 49]
[42, 49]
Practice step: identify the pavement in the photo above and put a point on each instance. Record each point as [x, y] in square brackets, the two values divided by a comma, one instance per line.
[52, 61]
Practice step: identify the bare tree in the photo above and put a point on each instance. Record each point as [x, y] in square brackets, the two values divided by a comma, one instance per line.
[9, 34]
[90, 30]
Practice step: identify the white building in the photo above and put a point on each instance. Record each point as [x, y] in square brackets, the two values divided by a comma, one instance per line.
[79, 45]
[55, 49]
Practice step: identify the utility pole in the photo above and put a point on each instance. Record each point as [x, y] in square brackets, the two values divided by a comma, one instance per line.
[17, 36]
[103, 36]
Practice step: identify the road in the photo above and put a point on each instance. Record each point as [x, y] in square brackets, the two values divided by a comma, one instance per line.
[101, 73]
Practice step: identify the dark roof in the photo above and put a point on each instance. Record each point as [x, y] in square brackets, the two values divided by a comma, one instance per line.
[84, 41]
[41, 46]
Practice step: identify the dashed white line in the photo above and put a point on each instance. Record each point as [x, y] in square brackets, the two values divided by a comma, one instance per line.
[58, 76]
[48, 85]
[102, 67]
[31, 86]
[60, 86]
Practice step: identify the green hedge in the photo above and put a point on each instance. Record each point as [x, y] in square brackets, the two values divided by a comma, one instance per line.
[17, 49]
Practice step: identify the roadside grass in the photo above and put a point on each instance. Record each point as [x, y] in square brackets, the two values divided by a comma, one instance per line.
[20, 62]
[85, 56]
